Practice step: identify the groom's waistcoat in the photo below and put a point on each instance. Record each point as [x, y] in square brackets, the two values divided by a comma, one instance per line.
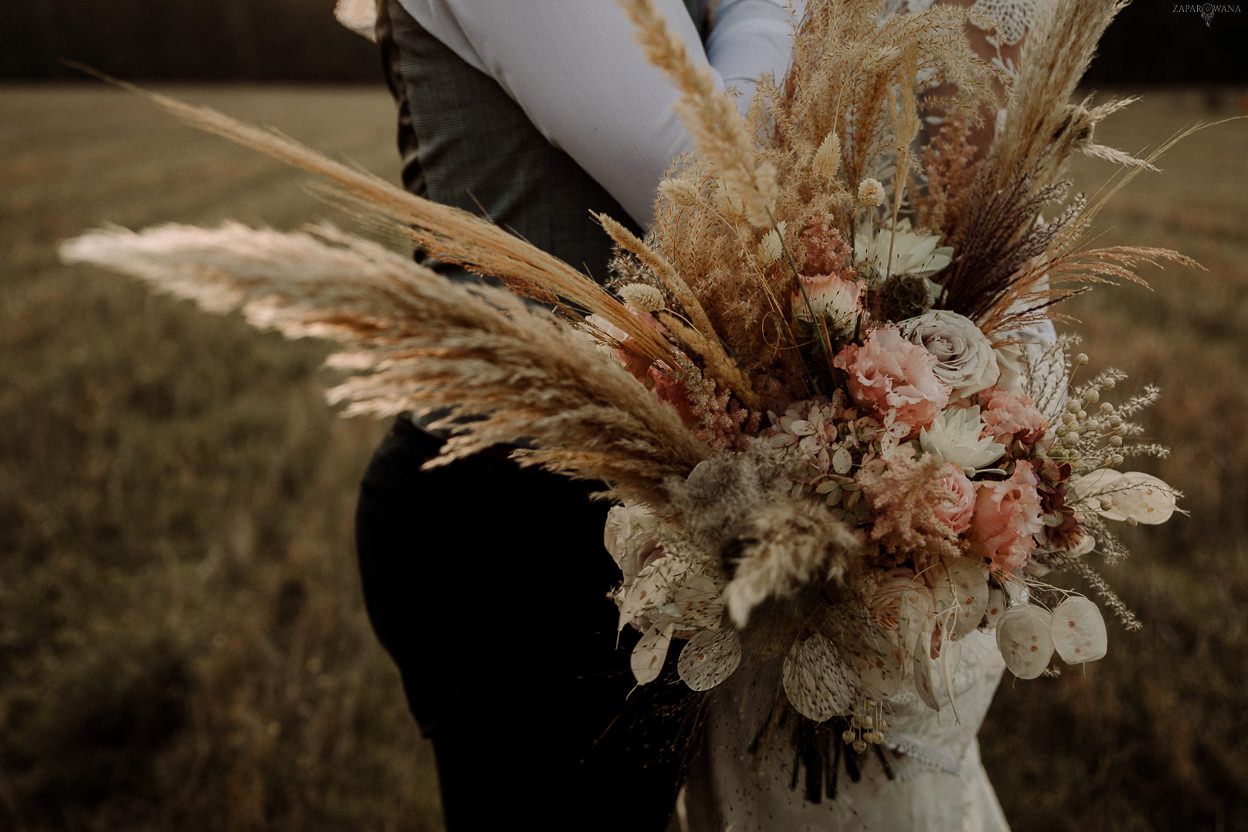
[466, 143]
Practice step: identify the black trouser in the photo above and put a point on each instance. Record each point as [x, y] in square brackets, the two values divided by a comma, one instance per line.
[488, 585]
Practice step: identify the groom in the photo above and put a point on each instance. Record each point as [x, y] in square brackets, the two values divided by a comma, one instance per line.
[488, 583]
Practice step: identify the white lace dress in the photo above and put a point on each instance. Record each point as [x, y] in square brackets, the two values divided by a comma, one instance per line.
[938, 782]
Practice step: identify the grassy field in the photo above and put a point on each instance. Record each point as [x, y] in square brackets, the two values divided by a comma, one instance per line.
[182, 643]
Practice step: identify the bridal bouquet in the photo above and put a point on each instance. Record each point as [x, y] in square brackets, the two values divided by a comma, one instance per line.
[819, 392]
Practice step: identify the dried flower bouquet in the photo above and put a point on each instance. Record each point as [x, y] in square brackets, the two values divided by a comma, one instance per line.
[814, 392]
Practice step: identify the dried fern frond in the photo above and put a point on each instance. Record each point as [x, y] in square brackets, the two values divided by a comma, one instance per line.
[416, 341]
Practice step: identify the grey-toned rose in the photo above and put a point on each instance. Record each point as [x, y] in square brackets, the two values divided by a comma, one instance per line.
[964, 356]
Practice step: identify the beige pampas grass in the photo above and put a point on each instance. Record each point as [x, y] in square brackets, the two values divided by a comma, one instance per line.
[699, 336]
[413, 340]
[445, 232]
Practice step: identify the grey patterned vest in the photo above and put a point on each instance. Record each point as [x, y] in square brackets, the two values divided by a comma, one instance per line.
[466, 143]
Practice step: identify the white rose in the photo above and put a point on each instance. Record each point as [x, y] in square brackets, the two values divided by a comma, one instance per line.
[964, 356]
[954, 436]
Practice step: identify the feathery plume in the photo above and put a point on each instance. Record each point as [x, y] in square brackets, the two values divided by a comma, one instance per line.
[445, 232]
[416, 341]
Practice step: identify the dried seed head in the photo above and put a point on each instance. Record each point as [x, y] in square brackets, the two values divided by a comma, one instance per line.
[681, 191]
[771, 248]
[727, 203]
[827, 160]
[871, 192]
[642, 297]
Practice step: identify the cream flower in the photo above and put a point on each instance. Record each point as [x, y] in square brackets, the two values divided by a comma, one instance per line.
[955, 436]
[912, 253]
[964, 356]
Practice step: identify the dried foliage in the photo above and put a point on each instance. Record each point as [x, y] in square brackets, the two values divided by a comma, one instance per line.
[445, 232]
[415, 342]
[1043, 126]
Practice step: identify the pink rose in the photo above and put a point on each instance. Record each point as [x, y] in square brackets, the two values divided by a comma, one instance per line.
[1007, 417]
[1007, 515]
[957, 502]
[889, 374]
[831, 294]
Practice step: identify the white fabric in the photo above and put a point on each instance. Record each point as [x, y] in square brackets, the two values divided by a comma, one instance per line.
[360, 16]
[582, 79]
[940, 784]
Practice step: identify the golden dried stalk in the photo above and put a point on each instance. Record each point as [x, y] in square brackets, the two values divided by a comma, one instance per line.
[719, 132]
[412, 340]
[444, 232]
[707, 343]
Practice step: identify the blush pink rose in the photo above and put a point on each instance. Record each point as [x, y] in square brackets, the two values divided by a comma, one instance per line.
[957, 503]
[1007, 515]
[889, 374]
[831, 294]
[1007, 417]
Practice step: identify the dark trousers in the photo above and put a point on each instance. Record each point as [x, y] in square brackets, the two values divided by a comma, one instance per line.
[487, 583]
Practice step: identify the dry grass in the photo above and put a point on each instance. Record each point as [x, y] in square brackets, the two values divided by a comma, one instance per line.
[182, 643]
[1153, 736]
[182, 640]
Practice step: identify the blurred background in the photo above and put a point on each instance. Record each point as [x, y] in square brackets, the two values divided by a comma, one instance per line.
[182, 641]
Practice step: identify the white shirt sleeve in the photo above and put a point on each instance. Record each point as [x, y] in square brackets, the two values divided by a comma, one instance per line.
[576, 69]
